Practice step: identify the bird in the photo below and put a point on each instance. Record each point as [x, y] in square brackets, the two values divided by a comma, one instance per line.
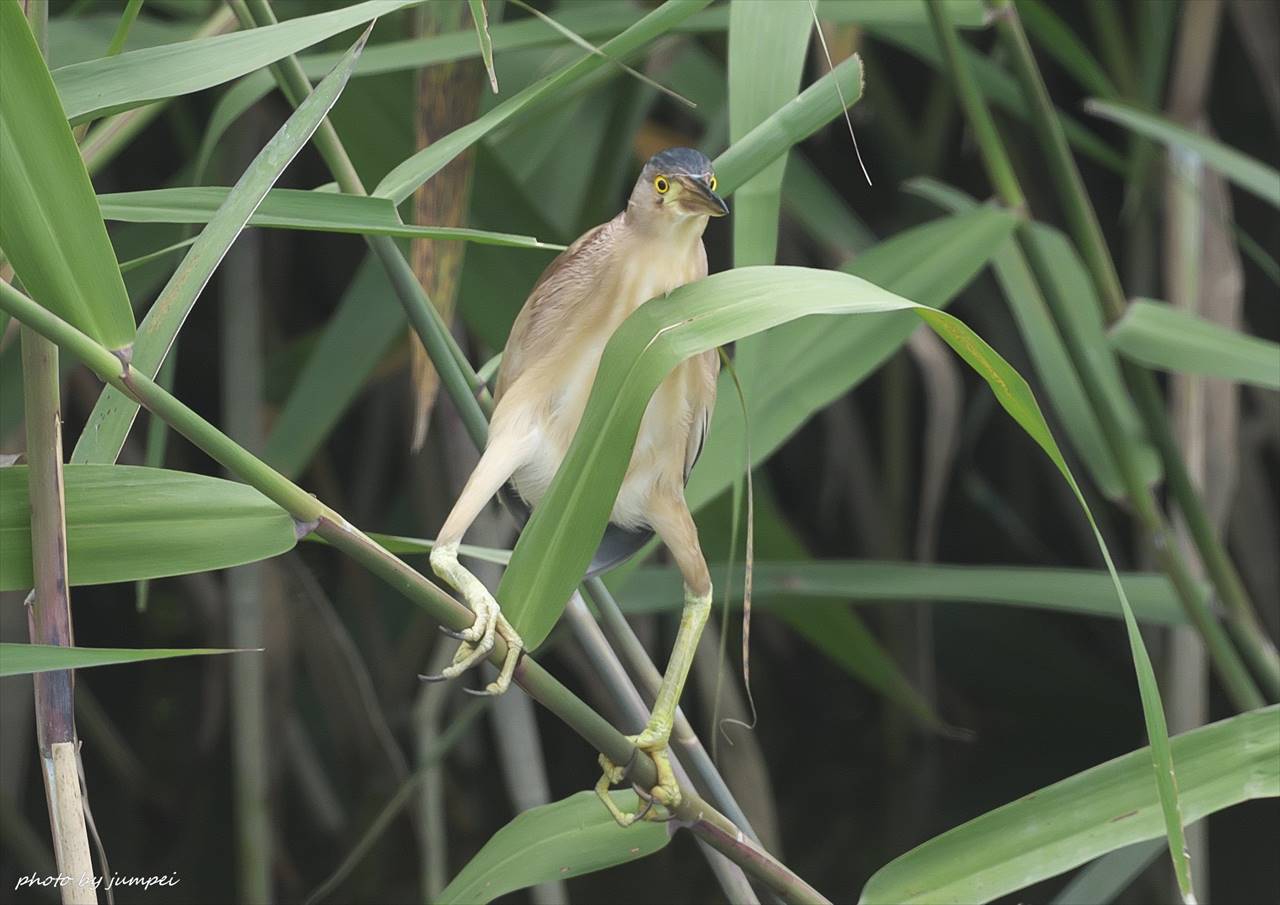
[652, 247]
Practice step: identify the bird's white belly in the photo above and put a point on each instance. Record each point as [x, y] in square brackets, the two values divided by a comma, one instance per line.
[659, 451]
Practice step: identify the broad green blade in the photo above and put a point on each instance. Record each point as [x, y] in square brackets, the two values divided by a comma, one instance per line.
[109, 85]
[777, 32]
[295, 209]
[127, 522]
[1250, 174]
[50, 228]
[24, 659]
[109, 422]
[567, 838]
[1160, 336]
[1080, 591]
[1073, 821]
[560, 538]
[1103, 880]
[368, 320]
[401, 182]
[1057, 373]
[815, 361]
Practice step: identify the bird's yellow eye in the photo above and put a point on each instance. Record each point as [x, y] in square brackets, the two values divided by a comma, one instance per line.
[661, 185]
[713, 183]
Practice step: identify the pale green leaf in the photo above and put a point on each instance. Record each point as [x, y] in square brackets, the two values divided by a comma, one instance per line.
[24, 659]
[295, 209]
[127, 522]
[95, 88]
[50, 228]
[1250, 174]
[557, 841]
[1160, 336]
[1073, 821]
[1081, 591]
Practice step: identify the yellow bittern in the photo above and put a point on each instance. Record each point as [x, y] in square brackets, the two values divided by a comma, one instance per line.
[548, 366]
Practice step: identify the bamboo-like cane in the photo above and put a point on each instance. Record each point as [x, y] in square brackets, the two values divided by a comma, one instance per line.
[49, 606]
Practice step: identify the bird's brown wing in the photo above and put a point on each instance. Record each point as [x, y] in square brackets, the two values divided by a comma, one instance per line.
[542, 319]
[704, 389]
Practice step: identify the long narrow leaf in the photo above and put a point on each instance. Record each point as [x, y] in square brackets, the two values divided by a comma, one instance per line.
[1080, 591]
[50, 228]
[24, 659]
[295, 209]
[1161, 336]
[112, 84]
[1073, 821]
[777, 32]
[1250, 174]
[109, 422]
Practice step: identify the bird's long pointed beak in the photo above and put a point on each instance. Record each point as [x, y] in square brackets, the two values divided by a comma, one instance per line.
[707, 201]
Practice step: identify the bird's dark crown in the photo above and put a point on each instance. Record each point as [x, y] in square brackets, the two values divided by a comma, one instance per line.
[679, 162]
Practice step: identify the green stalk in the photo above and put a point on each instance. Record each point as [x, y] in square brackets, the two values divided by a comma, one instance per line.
[1231, 670]
[49, 606]
[1088, 235]
[131, 10]
[994, 156]
[311, 514]
[242, 378]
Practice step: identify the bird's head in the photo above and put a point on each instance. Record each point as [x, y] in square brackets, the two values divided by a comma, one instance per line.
[676, 185]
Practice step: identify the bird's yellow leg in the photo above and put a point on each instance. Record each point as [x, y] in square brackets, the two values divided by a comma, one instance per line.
[501, 456]
[478, 638]
[656, 735]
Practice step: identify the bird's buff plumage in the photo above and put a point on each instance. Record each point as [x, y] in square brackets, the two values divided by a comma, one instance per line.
[550, 361]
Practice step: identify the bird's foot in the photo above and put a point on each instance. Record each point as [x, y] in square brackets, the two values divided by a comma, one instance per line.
[653, 742]
[477, 640]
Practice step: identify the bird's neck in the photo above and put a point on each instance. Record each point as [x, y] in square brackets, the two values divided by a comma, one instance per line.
[677, 233]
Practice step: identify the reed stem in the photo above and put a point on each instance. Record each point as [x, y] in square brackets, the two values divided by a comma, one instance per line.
[49, 604]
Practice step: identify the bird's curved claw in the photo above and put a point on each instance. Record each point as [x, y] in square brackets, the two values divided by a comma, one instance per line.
[665, 793]
[479, 638]
[426, 678]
